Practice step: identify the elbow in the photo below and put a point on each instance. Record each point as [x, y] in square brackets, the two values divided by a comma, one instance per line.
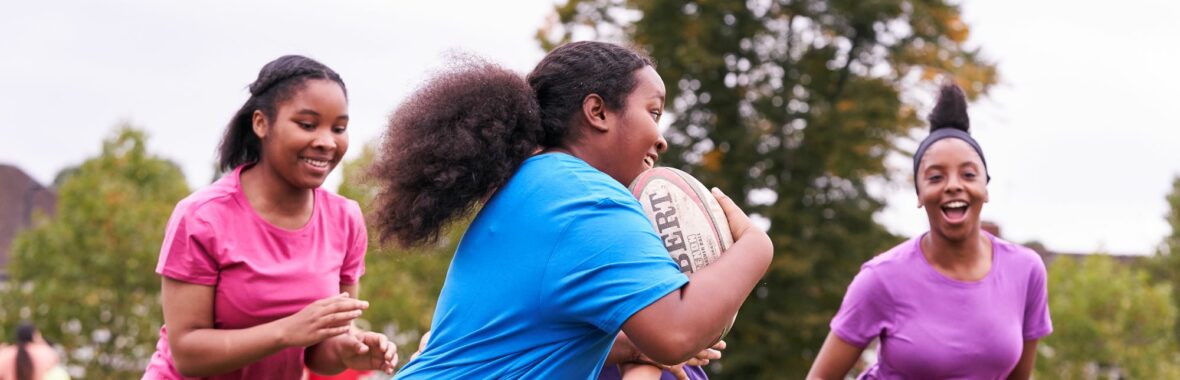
[185, 369]
[673, 348]
[185, 365]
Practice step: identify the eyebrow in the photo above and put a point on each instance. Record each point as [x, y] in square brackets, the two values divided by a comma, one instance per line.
[317, 114]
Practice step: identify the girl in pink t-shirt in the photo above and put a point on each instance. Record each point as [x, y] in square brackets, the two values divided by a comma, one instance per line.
[956, 302]
[260, 269]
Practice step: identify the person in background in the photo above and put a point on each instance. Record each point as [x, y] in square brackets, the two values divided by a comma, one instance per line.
[260, 269]
[955, 302]
[31, 358]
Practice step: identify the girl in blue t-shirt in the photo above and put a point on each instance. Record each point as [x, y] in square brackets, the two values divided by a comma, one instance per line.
[559, 258]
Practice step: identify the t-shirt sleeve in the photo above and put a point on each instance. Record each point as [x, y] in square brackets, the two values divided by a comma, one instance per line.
[354, 259]
[186, 253]
[864, 312]
[1037, 323]
[609, 265]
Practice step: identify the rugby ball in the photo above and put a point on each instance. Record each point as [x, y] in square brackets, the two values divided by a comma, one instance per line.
[685, 215]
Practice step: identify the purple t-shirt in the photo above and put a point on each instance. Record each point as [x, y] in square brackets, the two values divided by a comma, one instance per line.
[259, 272]
[934, 327]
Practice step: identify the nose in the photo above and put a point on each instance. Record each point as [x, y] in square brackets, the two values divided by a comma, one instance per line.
[323, 139]
[954, 185]
[661, 145]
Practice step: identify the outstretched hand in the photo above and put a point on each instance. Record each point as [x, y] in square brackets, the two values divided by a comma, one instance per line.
[369, 351]
[321, 320]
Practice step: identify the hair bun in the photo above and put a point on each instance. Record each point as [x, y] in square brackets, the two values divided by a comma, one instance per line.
[951, 109]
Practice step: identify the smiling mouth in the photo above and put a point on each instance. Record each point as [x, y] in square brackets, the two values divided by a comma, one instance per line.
[322, 164]
[955, 210]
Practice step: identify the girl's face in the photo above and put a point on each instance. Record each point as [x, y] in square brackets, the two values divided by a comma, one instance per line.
[952, 186]
[638, 144]
[309, 134]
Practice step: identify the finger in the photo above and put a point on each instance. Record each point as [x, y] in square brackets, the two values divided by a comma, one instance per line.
[738, 220]
[678, 371]
[720, 345]
[323, 334]
[341, 319]
[392, 363]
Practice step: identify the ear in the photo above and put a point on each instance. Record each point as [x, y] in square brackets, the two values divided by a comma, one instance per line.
[261, 127]
[594, 110]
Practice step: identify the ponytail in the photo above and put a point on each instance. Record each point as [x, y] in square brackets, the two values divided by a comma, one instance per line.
[24, 362]
[467, 130]
[450, 145]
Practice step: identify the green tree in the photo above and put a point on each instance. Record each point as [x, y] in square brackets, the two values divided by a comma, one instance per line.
[86, 277]
[791, 107]
[1107, 316]
[1167, 261]
[404, 284]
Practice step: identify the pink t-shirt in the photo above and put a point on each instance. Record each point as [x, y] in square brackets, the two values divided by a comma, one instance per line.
[934, 327]
[259, 272]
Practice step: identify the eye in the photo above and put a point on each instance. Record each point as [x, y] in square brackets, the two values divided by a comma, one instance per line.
[969, 175]
[934, 178]
[306, 126]
[339, 129]
[655, 115]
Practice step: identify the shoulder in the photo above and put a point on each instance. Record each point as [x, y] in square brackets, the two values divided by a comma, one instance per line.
[208, 202]
[339, 205]
[569, 177]
[1018, 255]
[896, 259]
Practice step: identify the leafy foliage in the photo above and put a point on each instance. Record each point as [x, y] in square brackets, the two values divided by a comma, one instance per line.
[86, 277]
[1108, 318]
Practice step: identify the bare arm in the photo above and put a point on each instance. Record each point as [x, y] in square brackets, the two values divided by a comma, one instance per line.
[688, 320]
[1028, 358]
[199, 350]
[835, 359]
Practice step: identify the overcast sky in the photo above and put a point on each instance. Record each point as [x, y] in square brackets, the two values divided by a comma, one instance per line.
[1081, 136]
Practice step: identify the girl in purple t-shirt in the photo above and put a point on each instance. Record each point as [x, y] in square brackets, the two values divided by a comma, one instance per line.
[955, 302]
[260, 268]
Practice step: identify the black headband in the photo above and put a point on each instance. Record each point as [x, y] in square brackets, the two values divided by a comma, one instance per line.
[944, 133]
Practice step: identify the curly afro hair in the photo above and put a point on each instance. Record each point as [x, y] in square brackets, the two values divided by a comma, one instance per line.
[464, 133]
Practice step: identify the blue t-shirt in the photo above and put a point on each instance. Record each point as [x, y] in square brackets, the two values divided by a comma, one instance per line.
[544, 278]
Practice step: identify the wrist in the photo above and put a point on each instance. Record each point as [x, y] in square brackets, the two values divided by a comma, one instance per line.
[278, 333]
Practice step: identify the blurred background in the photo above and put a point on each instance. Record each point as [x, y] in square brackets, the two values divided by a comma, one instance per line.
[806, 112]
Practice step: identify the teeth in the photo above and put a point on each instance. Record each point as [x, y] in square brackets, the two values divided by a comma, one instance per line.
[649, 162]
[316, 163]
[955, 204]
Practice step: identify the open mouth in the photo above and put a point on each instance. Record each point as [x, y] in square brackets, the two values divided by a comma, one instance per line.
[955, 211]
[649, 161]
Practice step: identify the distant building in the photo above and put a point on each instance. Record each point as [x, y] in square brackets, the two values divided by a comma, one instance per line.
[20, 197]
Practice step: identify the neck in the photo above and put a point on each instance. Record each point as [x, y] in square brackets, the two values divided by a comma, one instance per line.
[954, 253]
[590, 150]
[269, 193]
